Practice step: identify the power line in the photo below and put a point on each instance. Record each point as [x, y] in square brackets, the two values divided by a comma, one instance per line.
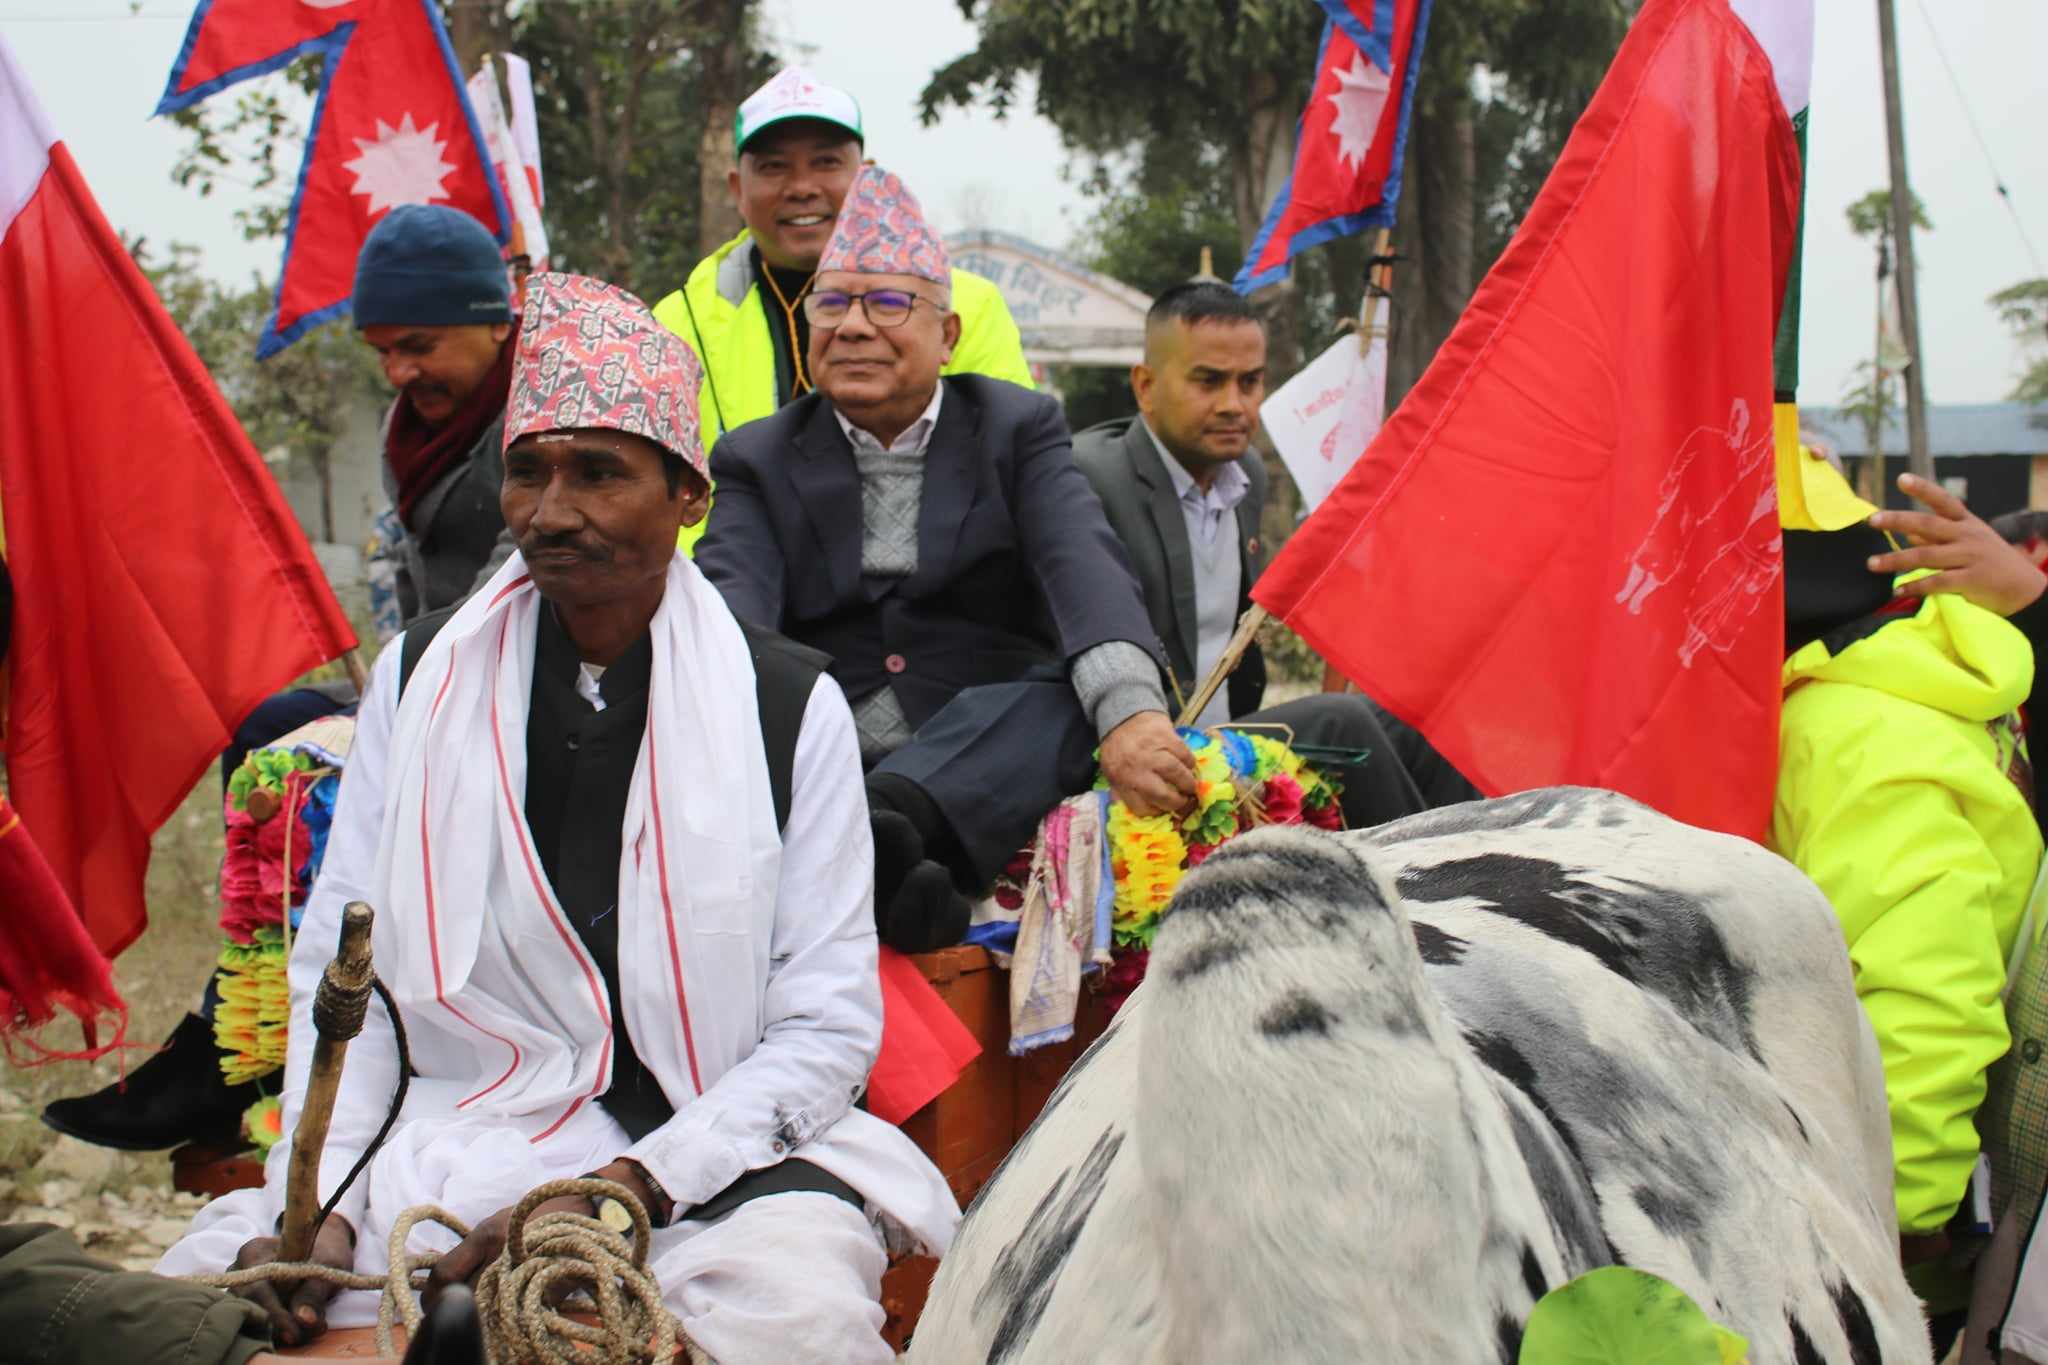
[1970, 117]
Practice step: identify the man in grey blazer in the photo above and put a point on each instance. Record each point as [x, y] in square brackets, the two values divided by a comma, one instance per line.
[1180, 494]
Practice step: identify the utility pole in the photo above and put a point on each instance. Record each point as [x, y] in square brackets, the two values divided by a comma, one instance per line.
[1918, 458]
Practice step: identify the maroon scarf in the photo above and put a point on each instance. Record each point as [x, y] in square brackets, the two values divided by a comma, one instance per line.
[420, 455]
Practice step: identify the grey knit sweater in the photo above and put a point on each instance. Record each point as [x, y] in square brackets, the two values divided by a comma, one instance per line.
[1114, 681]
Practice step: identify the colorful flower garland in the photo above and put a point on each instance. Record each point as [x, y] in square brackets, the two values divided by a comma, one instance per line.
[279, 807]
[1242, 779]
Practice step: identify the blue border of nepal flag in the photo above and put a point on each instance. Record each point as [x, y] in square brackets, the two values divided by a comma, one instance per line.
[391, 125]
[1353, 135]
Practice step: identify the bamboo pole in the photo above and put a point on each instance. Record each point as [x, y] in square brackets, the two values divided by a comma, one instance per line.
[352, 660]
[1248, 624]
[1918, 456]
[338, 1008]
[1247, 627]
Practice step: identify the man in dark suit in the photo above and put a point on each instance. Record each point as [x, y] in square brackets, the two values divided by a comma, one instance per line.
[1185, 501]
[935, 540]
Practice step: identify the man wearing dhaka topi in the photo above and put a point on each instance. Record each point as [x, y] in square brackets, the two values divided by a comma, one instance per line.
[934, 537]
[618, 848]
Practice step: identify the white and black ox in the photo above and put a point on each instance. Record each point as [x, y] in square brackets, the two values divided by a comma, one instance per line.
[1383, 1090]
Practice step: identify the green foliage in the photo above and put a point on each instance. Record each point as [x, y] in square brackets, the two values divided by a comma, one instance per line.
[242, 144]
[624, 94]
[1871, 400]
[1168, 78]
[1871, 216]
[2024, 308]
[1619, 1316]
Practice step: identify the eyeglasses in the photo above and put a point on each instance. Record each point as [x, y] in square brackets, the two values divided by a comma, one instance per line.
[884, 307]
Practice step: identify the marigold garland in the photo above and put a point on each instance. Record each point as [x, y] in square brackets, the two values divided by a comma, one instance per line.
[1242, 779]
[255, 1009]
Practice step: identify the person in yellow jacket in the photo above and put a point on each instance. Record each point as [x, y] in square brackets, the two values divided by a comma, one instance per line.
[1904, 791]
[799, 143]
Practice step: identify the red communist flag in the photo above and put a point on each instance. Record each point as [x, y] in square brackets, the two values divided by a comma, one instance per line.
[1560, 557]
[161, 586]
[392, 126]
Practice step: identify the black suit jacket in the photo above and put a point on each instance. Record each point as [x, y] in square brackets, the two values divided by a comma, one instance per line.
[1128, 474]
[1016, 566]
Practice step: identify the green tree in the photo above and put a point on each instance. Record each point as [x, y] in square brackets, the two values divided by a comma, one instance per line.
[1151, 93]
[1870, 398]
[2024, 308]
[635, 101]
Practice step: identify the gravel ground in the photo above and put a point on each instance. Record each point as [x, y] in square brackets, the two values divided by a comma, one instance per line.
[120, 1203]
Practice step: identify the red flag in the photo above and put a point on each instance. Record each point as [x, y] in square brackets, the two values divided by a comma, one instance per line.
[925, 1047]
[391, 127]
[161, 586]
[1354, 132]
[47, 960]
[1560, 557]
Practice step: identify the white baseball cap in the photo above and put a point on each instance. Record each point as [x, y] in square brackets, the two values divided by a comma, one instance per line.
[793, 94]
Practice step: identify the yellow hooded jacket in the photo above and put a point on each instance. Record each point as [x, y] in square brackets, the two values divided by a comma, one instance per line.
[1898, 793]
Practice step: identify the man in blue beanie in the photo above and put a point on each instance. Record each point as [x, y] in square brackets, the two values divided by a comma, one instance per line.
[433, 300]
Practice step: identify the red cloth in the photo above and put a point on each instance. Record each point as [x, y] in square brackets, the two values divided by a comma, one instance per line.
[419, 455]
[47, 960]
[162, 588]
[925, 1047]
[1560, 557]
[391, 127]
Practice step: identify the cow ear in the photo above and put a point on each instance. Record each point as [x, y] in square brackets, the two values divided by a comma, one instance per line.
[1619, 1316]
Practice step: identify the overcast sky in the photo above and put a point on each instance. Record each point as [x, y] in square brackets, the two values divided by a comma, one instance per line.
[100, 71]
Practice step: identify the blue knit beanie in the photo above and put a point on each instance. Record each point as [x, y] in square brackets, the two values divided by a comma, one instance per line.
[428, 265]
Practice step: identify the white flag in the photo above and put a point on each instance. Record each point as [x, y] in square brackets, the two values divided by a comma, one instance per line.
[525, 123]
[528, 235]
[1322, 420]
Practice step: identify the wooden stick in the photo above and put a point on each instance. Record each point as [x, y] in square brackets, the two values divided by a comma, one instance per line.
[1247, 627]
[1248, 624]
[338, 1008]
[1369, 307]
[357, 674]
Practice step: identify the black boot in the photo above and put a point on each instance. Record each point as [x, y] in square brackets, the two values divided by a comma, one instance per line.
[177, 1096]
[451, 1334]
[898, 849]
[926, 914]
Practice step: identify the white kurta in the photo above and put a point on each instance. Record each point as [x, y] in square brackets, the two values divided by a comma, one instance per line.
[748, 971]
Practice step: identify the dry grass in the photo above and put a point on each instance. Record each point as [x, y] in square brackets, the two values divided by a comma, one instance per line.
[161, 977]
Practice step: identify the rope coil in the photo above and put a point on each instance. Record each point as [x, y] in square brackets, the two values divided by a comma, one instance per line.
[521, 1296]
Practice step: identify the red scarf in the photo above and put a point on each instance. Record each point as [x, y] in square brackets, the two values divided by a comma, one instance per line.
[420, 456]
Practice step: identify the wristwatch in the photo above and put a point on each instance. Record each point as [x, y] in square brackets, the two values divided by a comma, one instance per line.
[612, 1213]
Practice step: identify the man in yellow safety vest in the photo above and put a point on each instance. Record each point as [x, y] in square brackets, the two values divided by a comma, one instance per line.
[799, 143]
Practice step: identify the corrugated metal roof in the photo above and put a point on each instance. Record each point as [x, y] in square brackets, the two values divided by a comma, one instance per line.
[1952, 429]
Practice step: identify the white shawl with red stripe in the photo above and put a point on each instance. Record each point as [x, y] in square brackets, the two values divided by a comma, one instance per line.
[699, 863]
[747, 956]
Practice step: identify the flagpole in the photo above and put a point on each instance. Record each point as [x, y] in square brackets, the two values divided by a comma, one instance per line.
[1248, 624]
[1918, 456]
